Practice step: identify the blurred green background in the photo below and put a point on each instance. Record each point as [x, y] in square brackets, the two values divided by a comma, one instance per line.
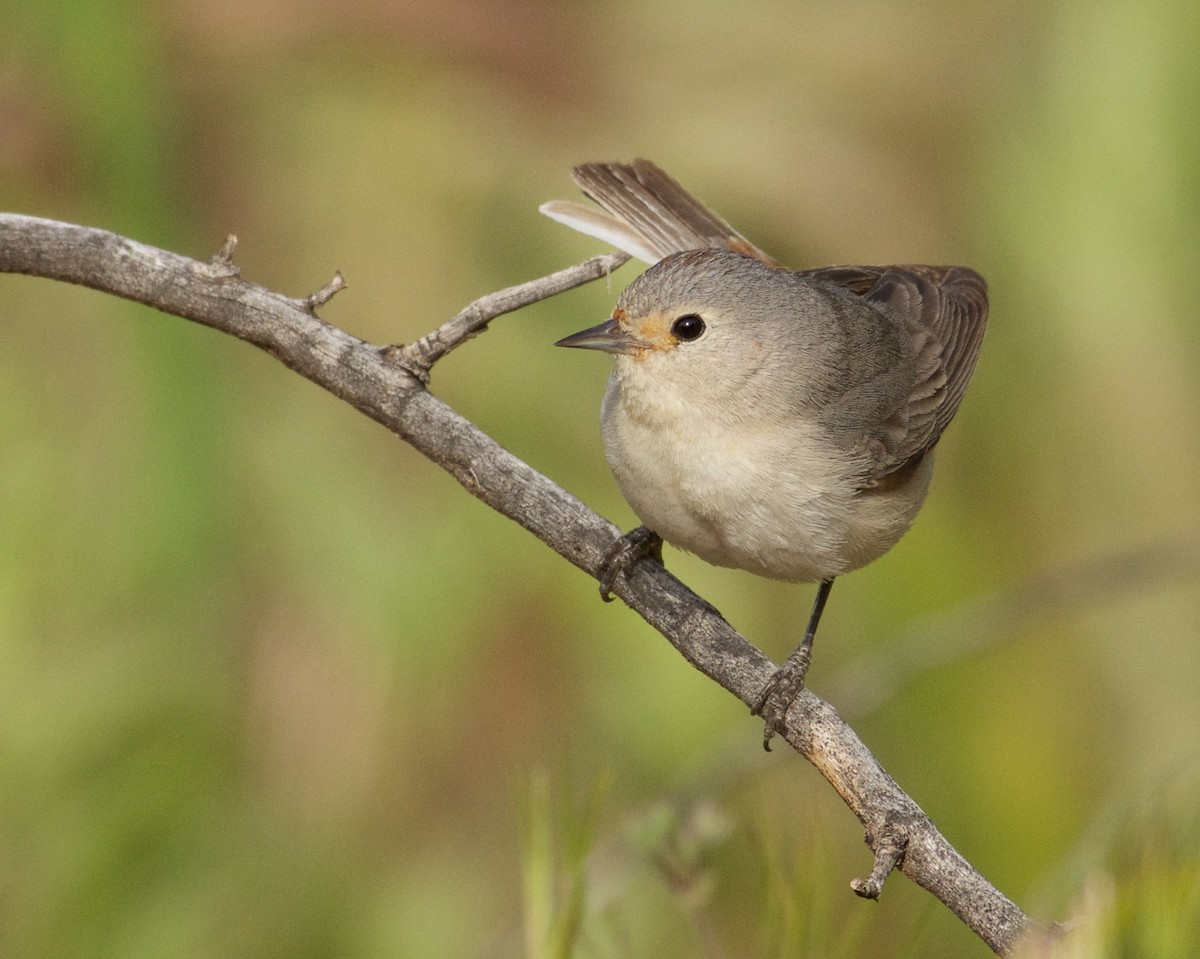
[272, 685]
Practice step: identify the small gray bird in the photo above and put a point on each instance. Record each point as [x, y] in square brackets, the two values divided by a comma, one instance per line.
[777, 422]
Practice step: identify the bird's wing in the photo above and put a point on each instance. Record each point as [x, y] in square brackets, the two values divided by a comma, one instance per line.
[646, 213]
[944, 311]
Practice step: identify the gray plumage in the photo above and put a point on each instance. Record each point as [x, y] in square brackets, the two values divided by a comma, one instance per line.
[773, 421]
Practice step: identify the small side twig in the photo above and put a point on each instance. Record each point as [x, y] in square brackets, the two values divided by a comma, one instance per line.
[222, 262]
[889, 850]
[473, 319]
[314, 301]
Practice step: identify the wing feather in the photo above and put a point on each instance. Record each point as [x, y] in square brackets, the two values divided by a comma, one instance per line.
[944, 311]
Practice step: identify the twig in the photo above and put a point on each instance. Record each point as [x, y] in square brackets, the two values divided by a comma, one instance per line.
[316, 300]
[420, 356]
[888, 852]
[222, 262]
[387, 384]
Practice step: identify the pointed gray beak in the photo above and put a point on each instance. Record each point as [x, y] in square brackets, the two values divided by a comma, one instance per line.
[608, 336]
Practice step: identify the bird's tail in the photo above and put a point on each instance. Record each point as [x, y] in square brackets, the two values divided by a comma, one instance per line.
[646, 213]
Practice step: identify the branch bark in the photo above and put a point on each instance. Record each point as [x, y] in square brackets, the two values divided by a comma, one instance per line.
[388, 384]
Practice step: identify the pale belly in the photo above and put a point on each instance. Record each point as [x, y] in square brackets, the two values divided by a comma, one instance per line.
[777, 505]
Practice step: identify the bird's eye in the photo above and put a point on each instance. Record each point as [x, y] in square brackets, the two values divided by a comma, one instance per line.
[688, 327]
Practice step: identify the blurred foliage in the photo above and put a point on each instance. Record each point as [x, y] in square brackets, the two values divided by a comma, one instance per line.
[268, 679]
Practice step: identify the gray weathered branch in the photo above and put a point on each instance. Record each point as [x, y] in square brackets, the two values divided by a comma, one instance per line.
[388, 384]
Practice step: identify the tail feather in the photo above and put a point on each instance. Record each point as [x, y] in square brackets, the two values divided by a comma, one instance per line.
[646, 213]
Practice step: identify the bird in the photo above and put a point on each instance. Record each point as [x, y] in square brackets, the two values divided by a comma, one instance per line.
[775, 421]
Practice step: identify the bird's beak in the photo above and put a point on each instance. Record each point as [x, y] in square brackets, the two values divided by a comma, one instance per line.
[608, 336]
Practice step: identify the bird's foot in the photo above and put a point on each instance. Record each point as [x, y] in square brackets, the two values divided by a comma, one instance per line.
[629, 549]
[780, 692]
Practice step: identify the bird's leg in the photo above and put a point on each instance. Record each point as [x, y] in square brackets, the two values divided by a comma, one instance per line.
[782, 689]
[634, 546]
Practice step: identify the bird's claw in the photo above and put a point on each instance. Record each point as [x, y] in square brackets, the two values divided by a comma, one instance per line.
[780, 691]
[627, 550]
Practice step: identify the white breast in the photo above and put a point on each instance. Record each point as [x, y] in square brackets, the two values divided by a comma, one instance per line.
[751, 493]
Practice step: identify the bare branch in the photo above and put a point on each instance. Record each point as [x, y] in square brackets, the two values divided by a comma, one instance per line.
[387, 384]
[420, 356]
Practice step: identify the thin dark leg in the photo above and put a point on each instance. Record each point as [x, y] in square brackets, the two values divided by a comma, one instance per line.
[814, 618]
[782, 689]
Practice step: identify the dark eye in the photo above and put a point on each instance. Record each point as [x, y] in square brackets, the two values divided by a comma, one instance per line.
[688, 327]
